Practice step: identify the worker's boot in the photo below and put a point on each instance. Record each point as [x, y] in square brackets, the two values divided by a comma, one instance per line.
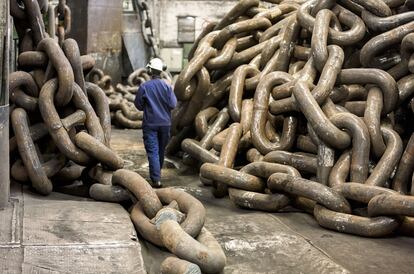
[156, 184]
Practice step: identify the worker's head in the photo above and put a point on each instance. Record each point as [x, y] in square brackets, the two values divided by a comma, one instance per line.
[156, 66]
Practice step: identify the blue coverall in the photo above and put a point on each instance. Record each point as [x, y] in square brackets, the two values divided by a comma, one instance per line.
[156, 98]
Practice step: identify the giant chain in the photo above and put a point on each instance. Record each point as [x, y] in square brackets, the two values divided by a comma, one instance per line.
[147, 27]
[308, 104]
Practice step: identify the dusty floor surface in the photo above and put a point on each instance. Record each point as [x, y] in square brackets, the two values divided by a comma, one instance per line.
[66, 234]
[258, 242]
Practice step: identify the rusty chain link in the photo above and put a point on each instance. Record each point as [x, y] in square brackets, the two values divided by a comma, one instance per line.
[147, 27]
[310, 100]
[63, 18]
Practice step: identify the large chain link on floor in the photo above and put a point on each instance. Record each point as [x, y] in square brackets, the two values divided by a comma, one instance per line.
[147, 27]
[305, 103]
[61, 142]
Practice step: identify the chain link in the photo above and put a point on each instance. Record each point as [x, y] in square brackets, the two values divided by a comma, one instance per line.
[146, 27]
[63, 17]
[61, 6]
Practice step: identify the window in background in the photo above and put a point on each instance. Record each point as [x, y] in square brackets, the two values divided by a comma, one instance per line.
[128, 6]
[186, 35]
[186, 29]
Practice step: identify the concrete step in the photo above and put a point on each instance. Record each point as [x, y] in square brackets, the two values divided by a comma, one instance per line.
[66, 234]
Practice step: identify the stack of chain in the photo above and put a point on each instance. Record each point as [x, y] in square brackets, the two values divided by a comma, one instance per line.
[121, 98]
[306, 103]
[61, 135]
[146, 27]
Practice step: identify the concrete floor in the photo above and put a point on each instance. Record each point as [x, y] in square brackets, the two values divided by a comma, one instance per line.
[66, 234]
[258, 242]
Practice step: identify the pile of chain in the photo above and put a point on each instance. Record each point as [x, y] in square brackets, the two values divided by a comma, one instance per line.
[61, 138]
[121, 98]
[306, 103]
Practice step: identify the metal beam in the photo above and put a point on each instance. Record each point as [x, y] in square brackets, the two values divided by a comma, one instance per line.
[4, 104]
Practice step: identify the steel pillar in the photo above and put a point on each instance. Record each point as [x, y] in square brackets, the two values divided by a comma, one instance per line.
[4, 104]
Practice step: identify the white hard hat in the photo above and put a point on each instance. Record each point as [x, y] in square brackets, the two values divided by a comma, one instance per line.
[156, 63]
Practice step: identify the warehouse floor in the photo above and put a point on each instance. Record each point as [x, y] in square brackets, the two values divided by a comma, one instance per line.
[66, 234]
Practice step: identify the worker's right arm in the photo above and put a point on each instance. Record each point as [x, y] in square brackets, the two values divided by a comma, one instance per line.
[139, 98]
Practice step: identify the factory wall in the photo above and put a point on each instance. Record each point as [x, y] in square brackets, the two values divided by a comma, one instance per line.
[97, 26]
[165, 20]
[117, 43]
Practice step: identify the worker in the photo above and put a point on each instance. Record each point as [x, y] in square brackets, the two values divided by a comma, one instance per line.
[156, 98]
